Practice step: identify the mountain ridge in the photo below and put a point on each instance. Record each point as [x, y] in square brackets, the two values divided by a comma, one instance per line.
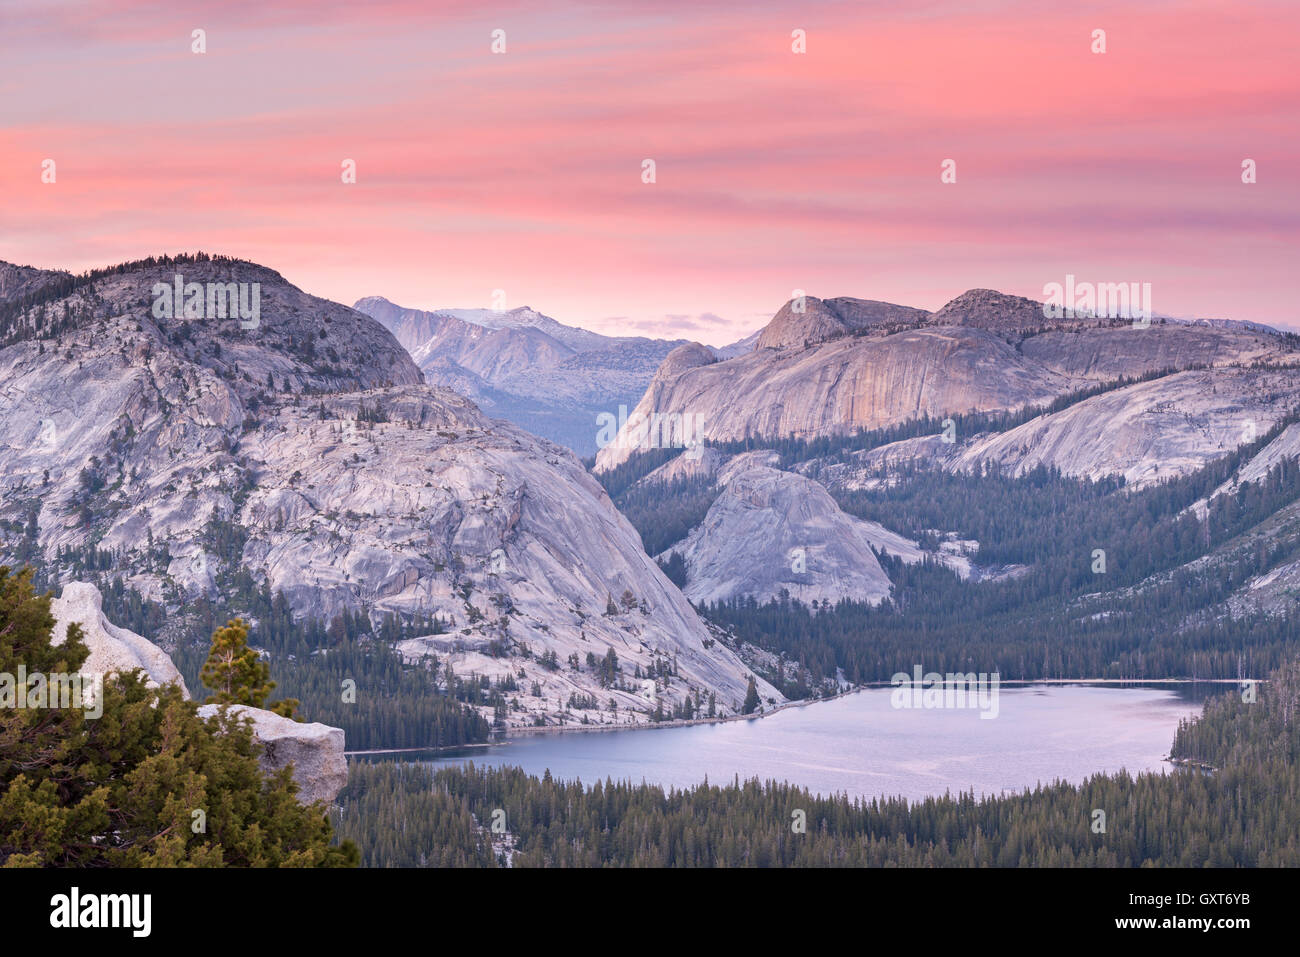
[310, 454]
[848, 364]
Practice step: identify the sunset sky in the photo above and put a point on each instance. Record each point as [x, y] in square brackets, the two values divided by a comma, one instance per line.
[775, 171]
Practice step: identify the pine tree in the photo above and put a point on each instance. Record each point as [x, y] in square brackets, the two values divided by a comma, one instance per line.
[751, 698]
[237, 673]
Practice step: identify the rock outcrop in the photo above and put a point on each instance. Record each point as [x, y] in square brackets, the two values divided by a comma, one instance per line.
[315, 751]
[992, 310]
[848, 383]
[799, 324]
[1285, 446]
[113, 650]
[771, 531]
[687, 466]
[17, 281]
[1147, 432]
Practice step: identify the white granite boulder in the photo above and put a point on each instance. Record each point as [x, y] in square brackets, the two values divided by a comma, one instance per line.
[315, 750]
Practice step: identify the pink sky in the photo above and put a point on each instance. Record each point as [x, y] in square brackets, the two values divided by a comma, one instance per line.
[775, 171]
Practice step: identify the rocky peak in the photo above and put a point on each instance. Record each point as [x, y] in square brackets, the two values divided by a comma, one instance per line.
[690, 356]
[794, 329]
[351, 483]
[992, 310]
[291, 341]
[825, 319]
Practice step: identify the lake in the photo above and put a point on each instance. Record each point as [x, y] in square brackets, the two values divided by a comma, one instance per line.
[861, 745]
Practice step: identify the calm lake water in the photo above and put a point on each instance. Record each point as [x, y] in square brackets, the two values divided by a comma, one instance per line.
[862, 746]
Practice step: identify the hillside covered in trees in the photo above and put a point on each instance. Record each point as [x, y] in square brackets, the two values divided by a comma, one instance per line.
[1160, 605]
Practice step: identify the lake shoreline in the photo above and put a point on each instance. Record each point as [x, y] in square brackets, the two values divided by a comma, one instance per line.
[866, 686]
[864, 748]
[516, 733]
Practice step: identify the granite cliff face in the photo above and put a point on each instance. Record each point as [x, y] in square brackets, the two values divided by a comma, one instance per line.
[313, 446]
[771, 532]
[1146, 432]
[846, 384]
[1149, 431]
[845, 365]
[800, 324]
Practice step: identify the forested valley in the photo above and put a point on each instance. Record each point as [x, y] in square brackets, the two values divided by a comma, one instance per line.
[1158, 606]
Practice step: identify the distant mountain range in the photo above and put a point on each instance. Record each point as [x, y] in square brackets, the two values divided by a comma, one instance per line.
[337, 456]
[845, 364]
[523, 366]
[1091, 398]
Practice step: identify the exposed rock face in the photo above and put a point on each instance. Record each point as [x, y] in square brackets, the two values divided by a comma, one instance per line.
[16, 281]
[499, 533]
[684, 466]
[800, 324]
[523, 366]
[846, 384]
[881, 466]
[1285, 446]
[845, 365]
[990, 309]
[370, 491]
[1150, 431]
[771, 531]
[1147, 432]
[691, 355]
[113, 650]
[1275, 592]
[1104, 355]
[314, 750]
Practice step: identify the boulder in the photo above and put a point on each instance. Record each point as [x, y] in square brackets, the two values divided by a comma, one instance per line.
[315, 750]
